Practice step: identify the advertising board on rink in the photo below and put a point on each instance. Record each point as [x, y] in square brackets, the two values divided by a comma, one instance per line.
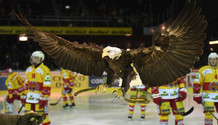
[82, 81]
[95, 81]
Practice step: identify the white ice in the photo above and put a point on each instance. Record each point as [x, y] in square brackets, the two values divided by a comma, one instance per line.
[104, 109]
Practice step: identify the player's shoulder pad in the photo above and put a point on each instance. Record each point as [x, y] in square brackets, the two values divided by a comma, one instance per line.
[204, 68]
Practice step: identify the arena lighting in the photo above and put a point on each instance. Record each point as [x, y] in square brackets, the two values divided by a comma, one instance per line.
[213, 42]
[128, 34]
[67, 7]
[23, 38]
[211, 49]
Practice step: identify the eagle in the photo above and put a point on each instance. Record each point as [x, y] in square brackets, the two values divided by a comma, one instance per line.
[172, 53]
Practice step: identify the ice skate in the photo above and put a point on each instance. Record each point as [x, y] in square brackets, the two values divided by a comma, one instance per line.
[130, 117]
[142, 117]
[72, 105]
[65, 106]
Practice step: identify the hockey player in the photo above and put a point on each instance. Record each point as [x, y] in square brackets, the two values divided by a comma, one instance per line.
[205, 87]
[168, 97]
[15, 85]
[138, 92]
[67, 87]
[37, 85]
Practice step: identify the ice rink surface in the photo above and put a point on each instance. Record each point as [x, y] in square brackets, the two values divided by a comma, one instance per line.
[104, 109]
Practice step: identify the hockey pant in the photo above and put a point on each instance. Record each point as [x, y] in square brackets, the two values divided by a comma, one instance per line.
[70, 95]
[165, 109]
[209, 107]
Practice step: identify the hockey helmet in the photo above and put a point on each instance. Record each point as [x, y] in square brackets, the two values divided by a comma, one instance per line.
[8, 70]
[212, 55]
[37, 57]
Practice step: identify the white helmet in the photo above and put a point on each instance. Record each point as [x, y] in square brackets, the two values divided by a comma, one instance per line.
[212, 55]
[8, 70]
[37, 57]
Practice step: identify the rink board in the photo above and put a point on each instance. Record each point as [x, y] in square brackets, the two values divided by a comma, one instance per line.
[82, 82]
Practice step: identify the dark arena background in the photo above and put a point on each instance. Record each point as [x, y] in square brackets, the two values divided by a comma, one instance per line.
[127, 24]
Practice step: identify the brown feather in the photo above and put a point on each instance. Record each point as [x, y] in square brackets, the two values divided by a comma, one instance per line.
[82, 58]
[175, 50]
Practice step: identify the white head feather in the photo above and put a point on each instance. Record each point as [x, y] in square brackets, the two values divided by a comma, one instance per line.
[112, 52]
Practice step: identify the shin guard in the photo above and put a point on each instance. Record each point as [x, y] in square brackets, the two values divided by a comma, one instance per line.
[179, 122]
[208, 121]
[163, 122]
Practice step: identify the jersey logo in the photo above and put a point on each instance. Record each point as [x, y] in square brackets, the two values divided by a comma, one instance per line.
[32, 86]
[197, 76]
[164, 93]
[213, 86]
[20, 82]
[174, 93]
[33, 75]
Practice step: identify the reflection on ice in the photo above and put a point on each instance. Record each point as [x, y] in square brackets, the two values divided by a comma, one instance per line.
[104, 109]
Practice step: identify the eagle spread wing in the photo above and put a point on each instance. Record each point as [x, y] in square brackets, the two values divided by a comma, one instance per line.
[173, 53]
[175, 50]
[81, 58]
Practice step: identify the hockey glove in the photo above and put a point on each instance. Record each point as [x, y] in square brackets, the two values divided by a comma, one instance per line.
[197, 98]
[156, 96]
[71, 84]
[196, 93]
[43, 101]
[23, 99]
[66, 88]
[182, 94]
[10, 100]
[157, 99]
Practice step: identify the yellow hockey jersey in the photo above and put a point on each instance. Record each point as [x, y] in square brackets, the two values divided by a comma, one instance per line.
[38, 83]
[171, 91]
[15, 84]
[207, 80]
[67, 78]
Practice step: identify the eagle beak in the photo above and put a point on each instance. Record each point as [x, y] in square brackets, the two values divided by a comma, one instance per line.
[103, 54]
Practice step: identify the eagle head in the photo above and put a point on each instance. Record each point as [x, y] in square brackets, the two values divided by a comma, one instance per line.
[112, 52]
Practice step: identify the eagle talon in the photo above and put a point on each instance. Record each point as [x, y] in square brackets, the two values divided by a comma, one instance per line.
[119, 93]
[101, 87]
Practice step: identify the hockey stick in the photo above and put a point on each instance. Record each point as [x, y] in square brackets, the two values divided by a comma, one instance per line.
[210, 112]
[189, 111]
[185, 113]
[20, 109]
[84, 90]
[91, 88]
[53, 104]
[213, 116]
